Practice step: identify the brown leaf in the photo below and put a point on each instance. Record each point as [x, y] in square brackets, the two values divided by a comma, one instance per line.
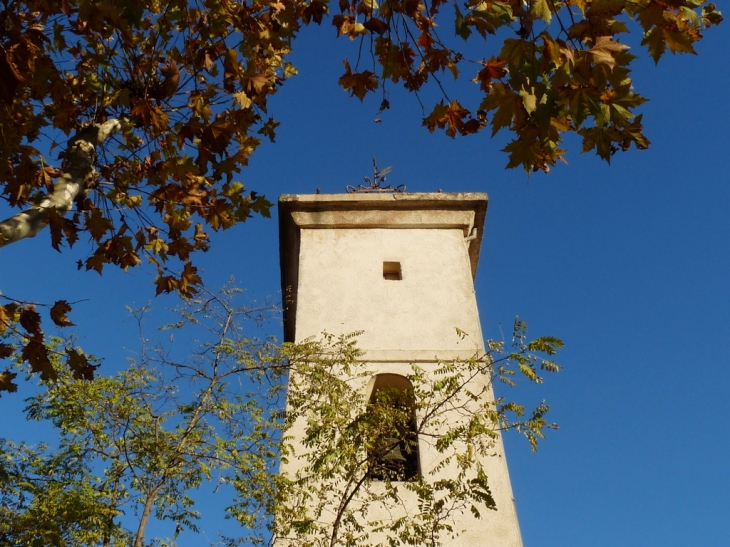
[96, 262]
[36, 353]
[256, 84]
[6, 381]
[60, 226]
[6, 316]
[30, 320]
[165, 284]
[604, 49]
[97, 224]
[358, 84]
[315, 11]
[344, 24]
[79, 364]
[6, 350]
[454, 118]
[58, 314]
[189, 279]
[231, 64]
[494, 69]
[375, 25]
[8, 80]
[171, 80]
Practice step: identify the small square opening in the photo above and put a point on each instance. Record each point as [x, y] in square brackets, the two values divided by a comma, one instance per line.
[392, 271]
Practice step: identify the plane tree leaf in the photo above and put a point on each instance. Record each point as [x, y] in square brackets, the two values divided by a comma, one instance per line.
[126, 125]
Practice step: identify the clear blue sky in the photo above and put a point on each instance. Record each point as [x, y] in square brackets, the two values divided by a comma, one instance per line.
[628, 263]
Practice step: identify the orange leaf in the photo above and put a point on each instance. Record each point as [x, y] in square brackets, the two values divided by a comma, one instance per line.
[453, 117]
[165, 284]
[58, 314]
[358, 84]
[344, 23]
[188, 280]
[604, 49]
[494, 69]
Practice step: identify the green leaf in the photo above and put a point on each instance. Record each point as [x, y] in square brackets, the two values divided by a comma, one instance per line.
[529, 100]
[460, 26]
[541, 9]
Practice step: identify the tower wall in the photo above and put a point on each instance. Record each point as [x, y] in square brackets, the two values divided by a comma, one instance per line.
[400, 268]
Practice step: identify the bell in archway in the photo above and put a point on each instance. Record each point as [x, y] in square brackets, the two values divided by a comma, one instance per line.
[394, 454]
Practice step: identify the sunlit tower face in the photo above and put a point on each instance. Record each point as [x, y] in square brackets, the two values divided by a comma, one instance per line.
[400, 268]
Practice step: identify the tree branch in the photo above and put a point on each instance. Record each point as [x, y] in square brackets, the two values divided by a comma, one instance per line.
[79, 169]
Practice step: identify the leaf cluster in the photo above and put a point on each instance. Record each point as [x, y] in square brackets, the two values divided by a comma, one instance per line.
[22, 337]
[562, 68]
[142, 441]
[335, 492]
[190, 81]
[136, 445]
[185, 84]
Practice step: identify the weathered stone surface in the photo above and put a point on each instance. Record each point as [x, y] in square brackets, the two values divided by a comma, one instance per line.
[399, 267]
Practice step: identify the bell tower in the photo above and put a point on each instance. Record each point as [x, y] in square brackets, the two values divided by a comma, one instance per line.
[400, 267]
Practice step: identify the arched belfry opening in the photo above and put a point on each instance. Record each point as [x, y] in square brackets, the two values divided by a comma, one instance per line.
[393, 454]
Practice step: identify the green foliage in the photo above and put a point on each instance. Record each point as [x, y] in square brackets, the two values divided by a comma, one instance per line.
[142, 441]
[138, 444]
[331, 496]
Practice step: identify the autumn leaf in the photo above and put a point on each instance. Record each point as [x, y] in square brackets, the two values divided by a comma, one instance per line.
[597, 138]
[542, 10]
[36, 353]
[506, 102]
[165, 284]
[494, 69]
[344, 24]
[256, 84]
[396, 60]
[529, 100]
[678, 41]
[453, 117]
[30, 320]
[6, 313]
[710, 15]
[79, 364]
[358, 84]
[6, 381]
[375, 25]
[60, 227]
[58, 314]
[189, 280]
[605, 49]
[6, 350]
[315, 11]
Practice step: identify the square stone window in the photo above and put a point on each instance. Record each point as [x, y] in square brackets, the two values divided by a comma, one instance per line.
[392, 271]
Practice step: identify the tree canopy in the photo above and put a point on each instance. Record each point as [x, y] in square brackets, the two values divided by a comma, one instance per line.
[133, 447]
[128, 123]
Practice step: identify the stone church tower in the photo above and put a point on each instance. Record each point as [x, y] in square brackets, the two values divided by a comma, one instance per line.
[400, 267]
